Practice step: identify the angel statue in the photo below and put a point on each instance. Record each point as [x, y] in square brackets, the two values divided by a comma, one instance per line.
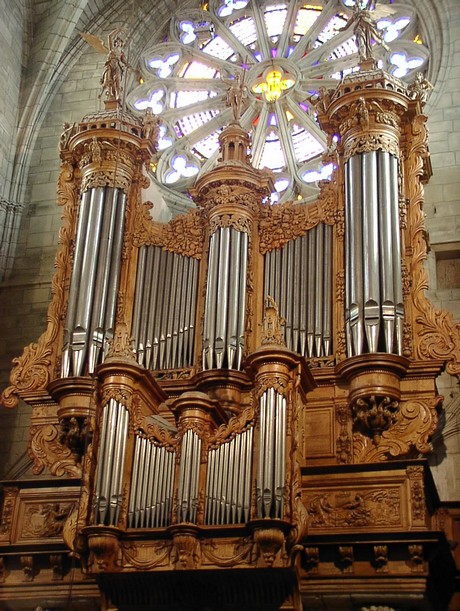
[112, 77]
[365, 31]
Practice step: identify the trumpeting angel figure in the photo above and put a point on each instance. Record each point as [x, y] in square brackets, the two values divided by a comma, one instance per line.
[115, 65]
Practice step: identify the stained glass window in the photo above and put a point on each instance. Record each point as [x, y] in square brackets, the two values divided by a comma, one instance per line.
[284, 51]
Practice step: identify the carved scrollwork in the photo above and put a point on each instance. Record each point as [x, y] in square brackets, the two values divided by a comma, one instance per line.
[371, 142]
[10, 495]
[343, 442]
[33, 370]
[105, 178]
[46, 451]
[284, 222]
[437, 336]
[269, 380]
[415, 422]
[183, 235]
[238, 222]
[235, 425]
[120, 395]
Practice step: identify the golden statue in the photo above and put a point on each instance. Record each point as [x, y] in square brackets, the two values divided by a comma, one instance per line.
[236, 92]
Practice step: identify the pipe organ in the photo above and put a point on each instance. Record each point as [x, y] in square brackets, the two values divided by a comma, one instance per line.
[248, 386]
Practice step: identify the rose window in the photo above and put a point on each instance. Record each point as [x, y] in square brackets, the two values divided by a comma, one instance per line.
[283, 52]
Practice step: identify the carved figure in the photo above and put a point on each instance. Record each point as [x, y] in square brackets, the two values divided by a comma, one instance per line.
[115, 65]
[236, 92]
[365, 31]
[420, 88]
[151, 124]
[271, 324]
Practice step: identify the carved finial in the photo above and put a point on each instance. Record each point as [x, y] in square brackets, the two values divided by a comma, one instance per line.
[272, 323]
[121, 347]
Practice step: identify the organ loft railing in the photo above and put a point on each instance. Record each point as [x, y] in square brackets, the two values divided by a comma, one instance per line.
[203, 376]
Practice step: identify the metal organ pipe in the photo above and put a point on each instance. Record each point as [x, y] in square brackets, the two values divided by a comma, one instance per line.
[228, 480]
[225, 304]
[95, 276]
[114, 432]
[189, 469]
[373, 296]
[271, 471]
[164, 308]
[299, 278]
[152, 484]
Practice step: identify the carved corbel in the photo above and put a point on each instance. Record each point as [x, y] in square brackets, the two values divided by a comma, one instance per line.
[186, 549]
[381, 558]
[27, 564]
[104, 547]
[57, 566]
[374, 414]
[416, 558]
[312, 559]
[269, 543]
[346, 558]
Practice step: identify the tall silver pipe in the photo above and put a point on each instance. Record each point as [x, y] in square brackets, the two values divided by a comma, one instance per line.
[386, 249]
[328, 298]
[145, 484]
[156, 492]
[396, 233]
[114, 276]
[143, 336]
[195, 476]
[269, 454]
[297, 284]
[304, 289]
[173, 288]
[311, 282]
[288, 249]
[118, 463]
[96, 339]
[165, 313]
[262, 452]
[248, 476]
[355, 261]
[233, 311]
[152, 296]
[222, 296]
[134, 480]
[105, 433]
[244, 242]
[74, 290]
[88, 272]
[211, 302]
[157, 313]
[192, 312]
[319, 294]
[106, 461]
[139, 297]
[371, 273]
[161, 497]
[179, 310]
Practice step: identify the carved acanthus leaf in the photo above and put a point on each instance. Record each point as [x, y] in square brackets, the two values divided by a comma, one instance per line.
[46, 451]
[415, 422]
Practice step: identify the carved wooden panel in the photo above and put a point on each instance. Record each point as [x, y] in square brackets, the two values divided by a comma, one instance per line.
[361, 502]
[41, 514]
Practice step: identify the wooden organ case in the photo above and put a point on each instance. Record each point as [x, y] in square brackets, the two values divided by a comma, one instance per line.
[241, 400]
